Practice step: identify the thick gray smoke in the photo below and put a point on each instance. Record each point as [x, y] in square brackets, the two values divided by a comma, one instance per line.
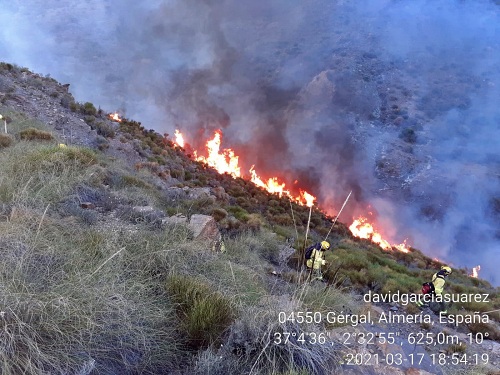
[397, 100]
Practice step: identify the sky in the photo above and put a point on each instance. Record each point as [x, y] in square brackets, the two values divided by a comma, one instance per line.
[319, 91]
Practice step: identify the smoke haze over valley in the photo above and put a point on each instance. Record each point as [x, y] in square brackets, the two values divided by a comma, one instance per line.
[396, 100]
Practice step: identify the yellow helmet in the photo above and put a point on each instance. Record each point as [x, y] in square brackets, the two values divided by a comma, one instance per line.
[446, 269]
[325, 245]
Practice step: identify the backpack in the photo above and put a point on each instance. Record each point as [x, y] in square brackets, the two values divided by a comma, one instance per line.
[427, 288]
[309, 251]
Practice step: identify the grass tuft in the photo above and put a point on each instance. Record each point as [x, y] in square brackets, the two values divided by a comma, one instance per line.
[204, 313]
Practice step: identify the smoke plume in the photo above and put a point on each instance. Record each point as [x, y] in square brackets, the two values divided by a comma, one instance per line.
[396, 100]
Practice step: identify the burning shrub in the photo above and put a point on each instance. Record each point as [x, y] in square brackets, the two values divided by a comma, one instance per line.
[31, 134]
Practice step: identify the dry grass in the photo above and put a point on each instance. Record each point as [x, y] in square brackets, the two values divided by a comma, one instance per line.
[5, 140]
[37, 174]
[32, 134]
[65, 305]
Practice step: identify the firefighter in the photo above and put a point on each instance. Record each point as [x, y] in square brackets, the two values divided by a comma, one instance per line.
[438, 280]
[317, 259]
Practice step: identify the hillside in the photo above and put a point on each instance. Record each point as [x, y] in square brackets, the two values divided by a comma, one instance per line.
[113, 263]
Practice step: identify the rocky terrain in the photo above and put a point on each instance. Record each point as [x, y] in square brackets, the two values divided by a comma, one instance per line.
[42, 102]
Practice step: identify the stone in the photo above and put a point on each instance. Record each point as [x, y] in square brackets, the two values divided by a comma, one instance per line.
[205, 228]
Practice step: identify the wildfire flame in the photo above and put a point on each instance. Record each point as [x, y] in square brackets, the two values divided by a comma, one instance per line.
[179, 138]
[272, 185]
[307, 198]
[115, 117]
[475, 271]
[363, 229]
[226, 161]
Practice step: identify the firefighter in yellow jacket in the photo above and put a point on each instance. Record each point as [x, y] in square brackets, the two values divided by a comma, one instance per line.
[438, 280]
[317, 259]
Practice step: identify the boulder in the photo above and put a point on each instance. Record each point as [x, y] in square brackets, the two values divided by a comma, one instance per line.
[205, 228]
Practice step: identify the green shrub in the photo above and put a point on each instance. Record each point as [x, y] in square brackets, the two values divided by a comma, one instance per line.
[89, 109]
[104, 129]
[238, 212]
[31, 134]
[219, 213]
[204, 314]
[5, 140]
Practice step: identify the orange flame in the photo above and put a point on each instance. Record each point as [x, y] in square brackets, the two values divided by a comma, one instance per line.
[306, 197]
[272, 185]
[475, 271]
[363, 229]
[179, 138]
[115, 117]
[225, 162]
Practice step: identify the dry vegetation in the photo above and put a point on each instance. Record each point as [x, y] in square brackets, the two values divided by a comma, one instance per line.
[98, 290]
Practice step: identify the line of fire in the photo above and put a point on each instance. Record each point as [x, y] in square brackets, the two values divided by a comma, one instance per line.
[226, 161]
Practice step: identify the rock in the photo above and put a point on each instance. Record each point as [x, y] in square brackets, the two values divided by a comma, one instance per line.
[198, 193]
[205, 228]
[87, 205]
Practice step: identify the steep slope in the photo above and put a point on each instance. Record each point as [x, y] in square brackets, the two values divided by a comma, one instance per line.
[102, 273]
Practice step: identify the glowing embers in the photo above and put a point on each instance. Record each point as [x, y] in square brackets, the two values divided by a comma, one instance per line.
[363, 229]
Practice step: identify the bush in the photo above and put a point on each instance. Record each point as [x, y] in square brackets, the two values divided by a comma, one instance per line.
[204, 314]
[5, 140]
[104, 129]
[89, 109]
[238, 212]
[31, 134]
[218, 214]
